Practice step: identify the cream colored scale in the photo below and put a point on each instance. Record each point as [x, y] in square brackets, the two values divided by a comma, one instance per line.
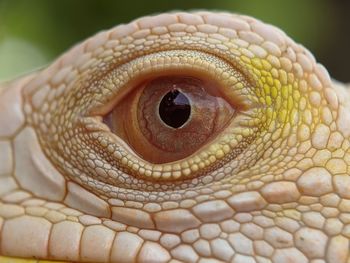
[91, 172]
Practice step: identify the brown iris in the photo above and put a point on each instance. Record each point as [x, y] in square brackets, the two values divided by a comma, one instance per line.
[170, 117]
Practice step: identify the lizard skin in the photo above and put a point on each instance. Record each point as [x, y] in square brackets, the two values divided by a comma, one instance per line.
[69, 191]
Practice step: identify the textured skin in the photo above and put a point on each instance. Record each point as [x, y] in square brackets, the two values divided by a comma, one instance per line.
[273, 187]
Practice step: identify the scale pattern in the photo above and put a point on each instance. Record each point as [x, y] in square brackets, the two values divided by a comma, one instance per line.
[275, 188]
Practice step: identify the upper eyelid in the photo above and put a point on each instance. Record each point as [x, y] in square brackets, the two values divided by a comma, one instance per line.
[123, 83]
[115, 40]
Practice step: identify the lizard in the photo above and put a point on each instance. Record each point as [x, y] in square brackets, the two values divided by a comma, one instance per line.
[269, 184]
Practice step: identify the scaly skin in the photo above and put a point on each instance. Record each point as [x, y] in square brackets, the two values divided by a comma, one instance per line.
[273, 187]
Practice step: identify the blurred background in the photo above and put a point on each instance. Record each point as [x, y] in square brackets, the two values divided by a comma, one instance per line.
[33, 33]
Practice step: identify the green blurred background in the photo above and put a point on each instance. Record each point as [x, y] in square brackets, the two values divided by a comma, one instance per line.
[34, 32]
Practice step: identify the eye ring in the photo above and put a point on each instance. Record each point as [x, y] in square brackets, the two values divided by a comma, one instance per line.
[226, 147]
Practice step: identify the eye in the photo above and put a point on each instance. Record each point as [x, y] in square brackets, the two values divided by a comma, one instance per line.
[134, 125]
[170, 117]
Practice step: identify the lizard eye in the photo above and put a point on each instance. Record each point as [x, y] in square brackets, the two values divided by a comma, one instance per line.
[182, 113]
[170, 117]
[121, 118]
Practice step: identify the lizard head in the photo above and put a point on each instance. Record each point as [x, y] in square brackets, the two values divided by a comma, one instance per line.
[178, 136]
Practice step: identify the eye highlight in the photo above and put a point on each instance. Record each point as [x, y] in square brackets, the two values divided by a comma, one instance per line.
[170, 117]
[174, 109]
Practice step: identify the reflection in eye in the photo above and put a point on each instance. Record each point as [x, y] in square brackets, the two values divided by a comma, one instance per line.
[170, 117]
[175, 108]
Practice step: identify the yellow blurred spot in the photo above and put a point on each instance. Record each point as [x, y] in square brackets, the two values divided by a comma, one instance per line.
[283, 115]
[274, 92]
[245, 59]
[285, 92]
[268, 100]
[269, 80]
[257, 63]
[267, 66]
[267, 89]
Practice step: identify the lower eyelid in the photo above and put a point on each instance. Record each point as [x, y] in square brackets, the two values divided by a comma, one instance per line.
[122, 156]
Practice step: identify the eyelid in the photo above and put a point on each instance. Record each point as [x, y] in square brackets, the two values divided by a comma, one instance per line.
[118, 83]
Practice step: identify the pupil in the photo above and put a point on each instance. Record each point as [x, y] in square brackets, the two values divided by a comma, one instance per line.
[174, 109]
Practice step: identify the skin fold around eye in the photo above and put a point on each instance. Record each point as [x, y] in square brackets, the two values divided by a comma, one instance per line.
[142, 157]
[138, 121]
[234, 86]
[94, 96]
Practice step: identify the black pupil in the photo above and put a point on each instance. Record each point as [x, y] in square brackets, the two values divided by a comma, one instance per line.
[174, 109]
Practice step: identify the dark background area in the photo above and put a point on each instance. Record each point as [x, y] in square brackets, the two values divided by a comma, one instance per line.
[34, 32]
